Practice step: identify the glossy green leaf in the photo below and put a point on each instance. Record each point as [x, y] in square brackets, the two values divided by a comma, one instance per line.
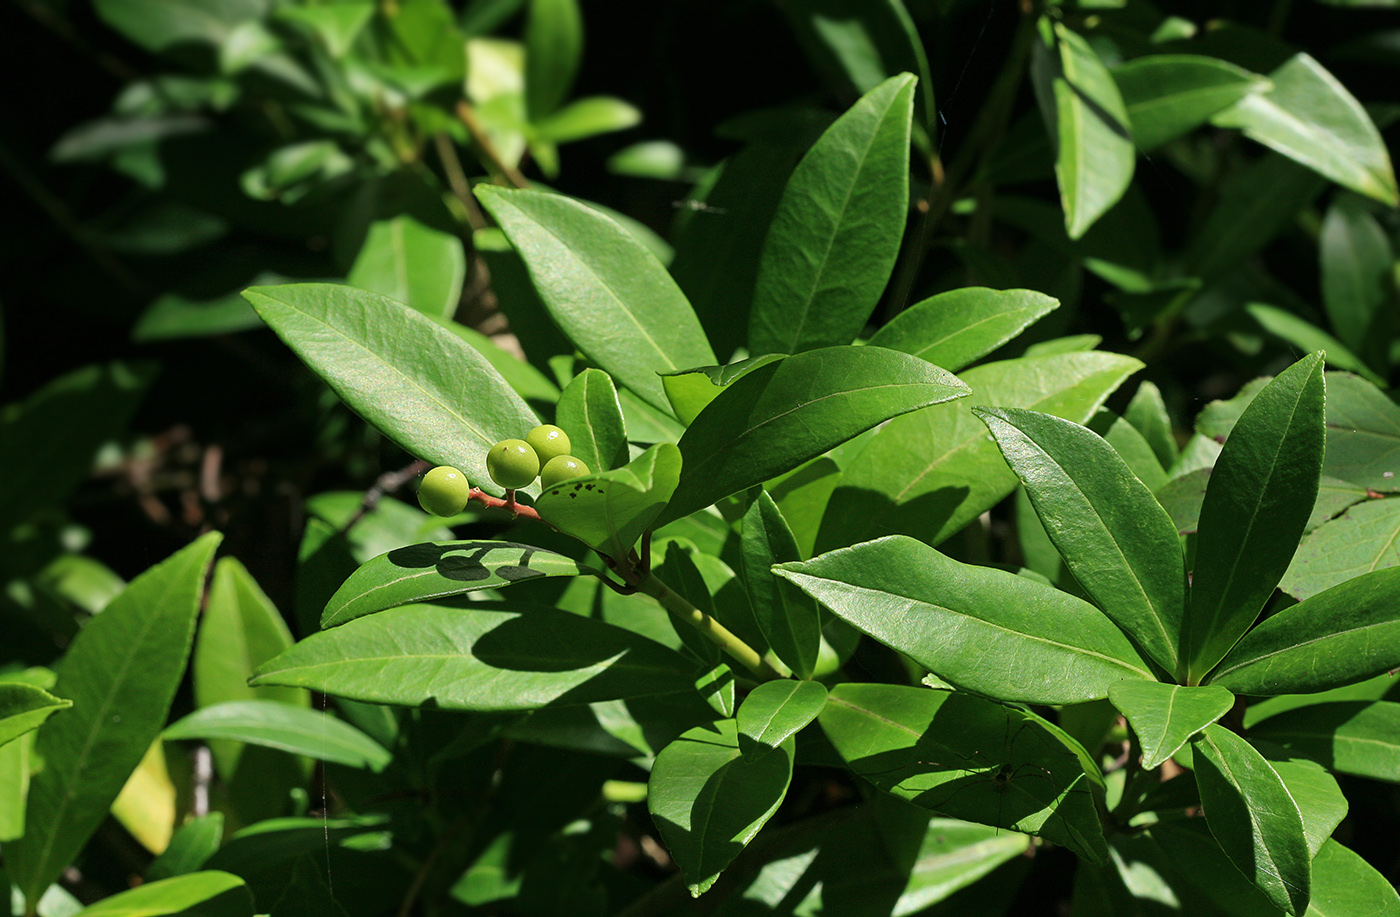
[209, 892]
[708, 800]
[589, 412]
[1351, 737]
[602, 287]
[930, 473]
[1363, 434]
[1114, 536]
[955, 328]
[1358, 278]
[156, 27]
[422, 386]
[1320, 799]
[1084, 113]
[283, 726]
[690, 391]
[979, 628]
[121, 673]
[193, 843]
[479, 659]
[172, 316]
[776, 710]
[1166, 716]
[1256, 506]
[24, 708]
[1253, 816]
[789, 411]
[421, 572]
[1304, 335]
[1346, 634]
[336, 25]
[529, 383]
[553, 48]
[837, 229]
[1344, 883]
[610, 510]
[1360, 541]
[968, 758]
[412, 264]
[1168, 95]
[583, 118]
[1131, 446]
[790, 621]
[1311, 118]
[1147, 412]
[675, 563]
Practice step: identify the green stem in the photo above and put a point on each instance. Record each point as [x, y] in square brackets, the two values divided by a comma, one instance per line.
[721, 636]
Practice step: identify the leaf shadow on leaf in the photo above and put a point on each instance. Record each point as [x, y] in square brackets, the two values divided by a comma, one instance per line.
[1057, 70]
[463, 563]
[856, 514]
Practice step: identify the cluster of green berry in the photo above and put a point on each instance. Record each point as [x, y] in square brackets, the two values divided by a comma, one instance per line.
[512, 463]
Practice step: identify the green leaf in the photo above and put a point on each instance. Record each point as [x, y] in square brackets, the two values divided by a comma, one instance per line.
[979, 628]
[1304, 335]
[479, 659]
[1319, 798]
[790, 622]
[708, 800]
[193, 843]
[1351, 737]
[930, 473]
[1254, 818]
[1085, 115]
[777, 710]
[1344, 883]
[583, 118]
[1363, 434]
[172, 316]
[1131, 446]
[1148, 413]
[157, 26]
[1168, 95]
[609, 511]
[553, 48]
[209, 892]
[283, 726]
[1256, 507]
[121, 673]
[1311, 118]
[1347, 634]
[421, 572]
[968, 758]
[956, 328]
[1360, 541]
[603, 288]
[1358, 278]
[24, 708]
[690, 391]
[1166, 716]
[836, 233]
[421, 385]
[336, 25]
[1114, 536]
[412, 264]
[588, 410]
[786, 412]
[529, 383]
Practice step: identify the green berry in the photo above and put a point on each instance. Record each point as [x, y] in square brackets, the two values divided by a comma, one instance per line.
[560, 469]
[444, 491]
[549, 442]
[512, 463]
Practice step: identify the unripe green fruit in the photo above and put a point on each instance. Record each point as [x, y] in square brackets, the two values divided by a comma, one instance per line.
[444, 491]
[512, 463]
[561, 468]
[549, 442]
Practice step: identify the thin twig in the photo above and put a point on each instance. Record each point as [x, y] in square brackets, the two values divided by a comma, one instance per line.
[467, 114]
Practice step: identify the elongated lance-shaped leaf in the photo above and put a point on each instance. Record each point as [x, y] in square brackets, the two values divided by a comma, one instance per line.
[588, 410]
[121, 673]
[609, 511]
[421, 572]
[477, 658]
[24, 708]
[1358, 283]
[1253, 816]
[1349, 737]
[709, 800]
[786, 412]
[1165, 716]
[981, 629]
[691, 390]
[553, 46]
[836, 233]
[603, 288]
[1256, 507]
[969, 758]
[420, 384]
[205, 892]
[1347, 634]
[1084, 112]
[292, 729]
[412, 264]
[1167, 95]
[1115, 537]
[955, 328]
[790, 621]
